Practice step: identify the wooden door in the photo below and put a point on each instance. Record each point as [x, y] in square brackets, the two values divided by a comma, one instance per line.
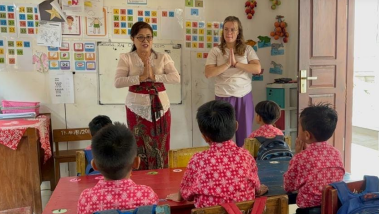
[323, 39]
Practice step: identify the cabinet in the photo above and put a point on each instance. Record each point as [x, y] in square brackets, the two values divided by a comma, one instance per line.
[285, 95]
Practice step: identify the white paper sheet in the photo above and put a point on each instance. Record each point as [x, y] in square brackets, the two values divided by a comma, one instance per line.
[49, 34]
[73, 7]
[61, 86]
[93, 7]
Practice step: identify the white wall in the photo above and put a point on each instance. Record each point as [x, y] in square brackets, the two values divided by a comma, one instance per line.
[33, 86]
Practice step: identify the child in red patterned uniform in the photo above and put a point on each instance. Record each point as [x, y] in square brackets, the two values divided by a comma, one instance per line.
[115, 155]
[316, 163]
[225, 172]
[266, 114]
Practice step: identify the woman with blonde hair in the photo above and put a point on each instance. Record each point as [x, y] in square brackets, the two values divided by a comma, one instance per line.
[231, 64]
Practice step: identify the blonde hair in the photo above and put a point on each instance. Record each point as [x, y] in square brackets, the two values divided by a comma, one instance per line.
[240, 42]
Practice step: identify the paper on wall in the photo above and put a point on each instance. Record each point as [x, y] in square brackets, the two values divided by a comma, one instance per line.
[49, 34]
[93, 7]
[61, 86]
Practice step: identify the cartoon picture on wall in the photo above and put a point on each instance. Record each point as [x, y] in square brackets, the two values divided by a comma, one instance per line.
[72, 27]
[96, 26]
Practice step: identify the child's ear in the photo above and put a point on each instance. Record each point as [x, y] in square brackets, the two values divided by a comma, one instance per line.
[136, 162]
[236, 125]
[308, 135]
[206, 138]
[93, 164]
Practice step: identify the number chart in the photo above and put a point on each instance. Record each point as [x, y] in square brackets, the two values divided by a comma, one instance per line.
[8, 20]
[19, 54]
[27, 20]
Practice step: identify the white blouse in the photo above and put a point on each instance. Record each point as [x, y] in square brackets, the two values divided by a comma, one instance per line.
[130, 67]
[232, 82]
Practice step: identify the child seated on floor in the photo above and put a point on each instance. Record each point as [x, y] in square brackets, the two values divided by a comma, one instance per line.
[95, 125]
[225, 172]
[316, 163]
[266, 114]
[115, 155]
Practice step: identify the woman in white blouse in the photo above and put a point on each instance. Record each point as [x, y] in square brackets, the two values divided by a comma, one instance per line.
[231, 64]
[147, 105]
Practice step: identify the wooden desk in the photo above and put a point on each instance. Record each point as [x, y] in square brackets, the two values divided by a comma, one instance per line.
[66, 194]
[22, 171]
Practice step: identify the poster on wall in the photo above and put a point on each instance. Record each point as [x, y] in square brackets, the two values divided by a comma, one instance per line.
[49, 34]
[171, 24]
[97, 26]
[73, 7]
[84, 56]
[27, 20]
[122, 21]
[195, 34]
[194, 9]
[51, 11]
[59, 57]
[93, 7]
[72, 27]
[19, 55]
[8, 20]
[61, 87]
[2, 54]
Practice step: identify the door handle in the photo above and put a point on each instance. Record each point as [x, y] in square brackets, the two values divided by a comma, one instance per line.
[303, 81]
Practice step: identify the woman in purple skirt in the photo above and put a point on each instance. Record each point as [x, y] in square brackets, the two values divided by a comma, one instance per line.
[231, 64]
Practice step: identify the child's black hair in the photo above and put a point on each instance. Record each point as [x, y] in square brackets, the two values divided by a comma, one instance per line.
[114, 150]
[217, 120]
[269, 111]
[98, 122]
[320, 120]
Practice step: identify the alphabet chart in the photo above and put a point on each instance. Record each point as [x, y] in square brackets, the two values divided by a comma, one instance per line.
[8, 20]
[59, 58]
[214, 32]
[27, 20]
[84, 56]
[195, 34]
[151, 17]
[19, 55]
[122, 21]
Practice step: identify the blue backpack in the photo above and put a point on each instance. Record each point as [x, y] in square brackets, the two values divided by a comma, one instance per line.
[273, 149]
[365, 202]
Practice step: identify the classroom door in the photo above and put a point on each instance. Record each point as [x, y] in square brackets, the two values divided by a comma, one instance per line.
[323, 36]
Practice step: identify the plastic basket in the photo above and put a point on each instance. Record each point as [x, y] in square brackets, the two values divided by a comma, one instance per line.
[9, 107]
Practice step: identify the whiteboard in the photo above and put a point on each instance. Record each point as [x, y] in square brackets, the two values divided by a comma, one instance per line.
[109, 53]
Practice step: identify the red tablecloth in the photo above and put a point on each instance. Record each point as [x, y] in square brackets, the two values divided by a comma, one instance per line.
[11, 132]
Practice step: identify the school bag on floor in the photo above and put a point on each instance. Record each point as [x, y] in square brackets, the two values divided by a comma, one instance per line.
[366, 202]
[273, 149]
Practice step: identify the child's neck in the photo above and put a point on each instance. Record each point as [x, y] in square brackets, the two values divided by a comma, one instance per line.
[126, 177]
[261, 123]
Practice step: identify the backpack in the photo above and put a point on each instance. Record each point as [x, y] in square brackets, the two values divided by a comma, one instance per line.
[273, 149]
[364, 202]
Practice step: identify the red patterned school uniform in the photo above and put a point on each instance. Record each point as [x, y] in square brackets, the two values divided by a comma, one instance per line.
[223, 173]
[267, 131]
[119, 194]
[310, 170]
